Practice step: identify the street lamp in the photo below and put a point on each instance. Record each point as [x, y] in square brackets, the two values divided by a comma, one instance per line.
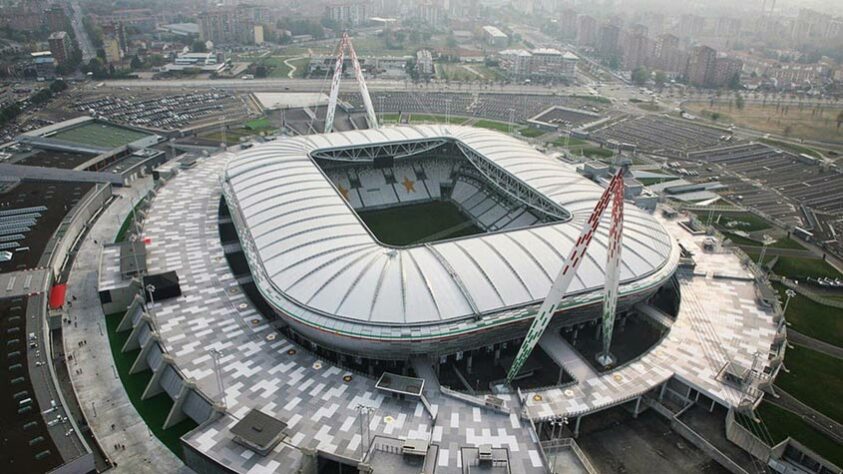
[790, 294]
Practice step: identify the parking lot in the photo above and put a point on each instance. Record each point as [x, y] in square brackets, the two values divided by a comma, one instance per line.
[169, 112]
[662, 135]
[791, 189]
[494, 106]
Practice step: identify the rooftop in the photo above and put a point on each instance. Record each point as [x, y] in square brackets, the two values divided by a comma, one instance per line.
[349, 275]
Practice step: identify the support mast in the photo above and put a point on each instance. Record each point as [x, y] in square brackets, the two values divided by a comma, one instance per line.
[345, 42]
[560, 286]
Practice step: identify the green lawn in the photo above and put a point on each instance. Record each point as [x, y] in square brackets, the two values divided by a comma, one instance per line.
[813, 319]
[810, 370]
[785, 243]
[531, 132]
[418, 223]
[569, 141]
[153, 410]
[258, 124]
[745, 221]
[782, 423]
[794, 267]
[593, 152]
[432, 118]
[493, 125]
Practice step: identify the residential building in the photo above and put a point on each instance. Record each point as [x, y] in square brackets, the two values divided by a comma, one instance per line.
[227, 25]
[55, 19]
[111, 47]
[495, 37]
[60, 46]
[424, 63]
[609, 37]
[586, 30]
[636, 51]
[44, 65]
[540, 64]
[701, 66]
[725, 71]
[348, 12]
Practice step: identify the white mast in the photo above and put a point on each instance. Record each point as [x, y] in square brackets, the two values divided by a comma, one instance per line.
[557, 291]
[345, 42]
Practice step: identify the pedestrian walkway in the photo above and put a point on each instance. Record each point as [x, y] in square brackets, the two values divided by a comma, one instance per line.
[120, 431]
[565, 355]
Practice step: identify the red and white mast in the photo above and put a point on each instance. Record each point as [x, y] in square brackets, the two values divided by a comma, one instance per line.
[345, 42]
[613, 192]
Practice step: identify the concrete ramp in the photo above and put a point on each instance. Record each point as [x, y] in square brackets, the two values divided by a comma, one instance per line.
[565, 355]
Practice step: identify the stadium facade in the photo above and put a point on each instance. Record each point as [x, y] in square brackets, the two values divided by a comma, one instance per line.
[296, 204]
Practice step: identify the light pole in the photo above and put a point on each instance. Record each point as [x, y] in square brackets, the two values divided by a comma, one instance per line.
[215, 356]
[789, 294]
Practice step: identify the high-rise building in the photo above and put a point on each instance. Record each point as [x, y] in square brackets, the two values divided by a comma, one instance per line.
[636, 50]
[55, 19]
[667, 56]
[701, 65]
[607, 44]
[111, 47]
[691, 25]
[586, 30]
[60, 46]
[424, 63]
[726, 70]
[235, 24]
[348, 12]
[729, 27]
[568, 23]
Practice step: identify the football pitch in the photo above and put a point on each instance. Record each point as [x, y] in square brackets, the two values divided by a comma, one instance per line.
[419, 223]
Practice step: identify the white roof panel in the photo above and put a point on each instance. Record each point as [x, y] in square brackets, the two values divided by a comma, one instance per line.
[314, 251]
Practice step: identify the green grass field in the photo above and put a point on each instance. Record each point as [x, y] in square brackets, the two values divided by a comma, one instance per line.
[785, 243]
[98, 134]
[258, 124]
[813, 319]
[794, 267]
[809, 370]
[153, 410]
[781, 423]
[418, 223]
[531, 132]
[433, 118]
[744, 221]
[570, 142]
[493, 125]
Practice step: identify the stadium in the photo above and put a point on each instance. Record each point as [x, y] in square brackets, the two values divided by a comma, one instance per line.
[425, 240]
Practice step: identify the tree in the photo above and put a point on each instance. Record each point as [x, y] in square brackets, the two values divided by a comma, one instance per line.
[199, 47]
[839, 119]
[715, 116]
[58, 86]
[136, 62]
[739, 101]
[640, 75]
[260, 71]
[660, 78]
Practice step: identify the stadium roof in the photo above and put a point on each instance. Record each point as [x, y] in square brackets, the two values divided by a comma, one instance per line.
[309, 245]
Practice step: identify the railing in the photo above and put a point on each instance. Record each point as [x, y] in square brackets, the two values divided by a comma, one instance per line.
[568, 443]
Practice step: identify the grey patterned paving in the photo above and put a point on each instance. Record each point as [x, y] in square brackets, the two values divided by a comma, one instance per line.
[322, 410]
[310, 395]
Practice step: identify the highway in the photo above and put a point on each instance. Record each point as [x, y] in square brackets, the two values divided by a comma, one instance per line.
[85, 44]
[317, 85]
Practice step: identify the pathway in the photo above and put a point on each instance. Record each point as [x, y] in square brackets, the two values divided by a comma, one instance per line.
[292, 66]
[811, 416]
[565, 355]
[800, 339]
[107, 408]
